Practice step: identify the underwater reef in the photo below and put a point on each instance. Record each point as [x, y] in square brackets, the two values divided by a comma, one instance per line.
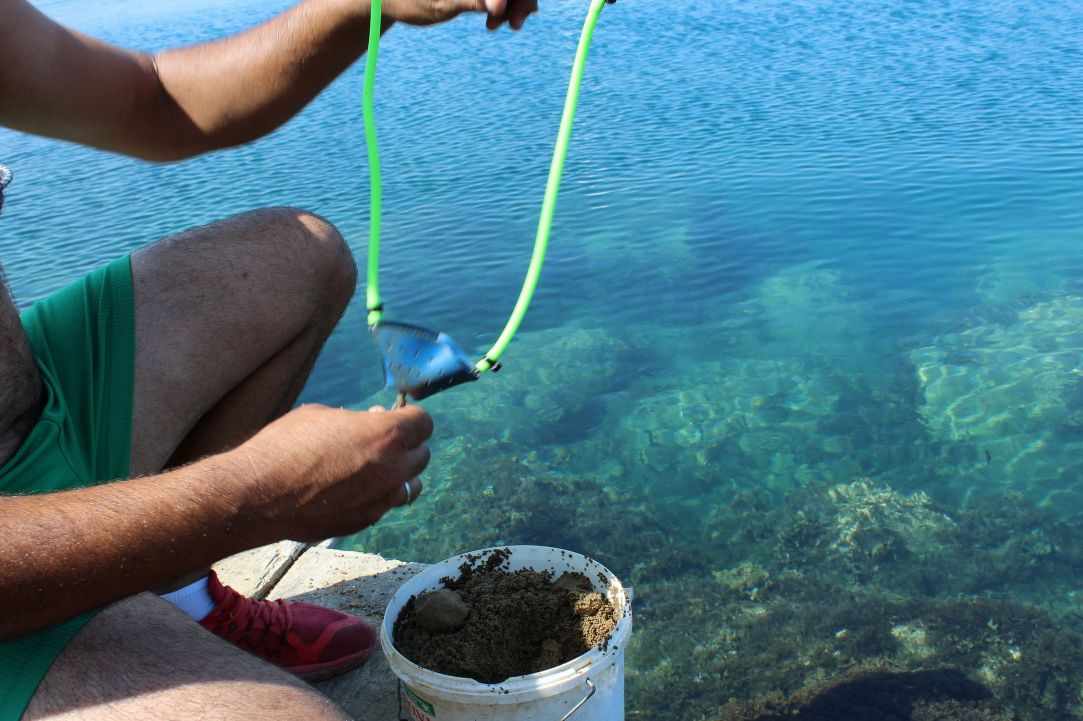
[811, 532]
[1005, 397]
[837, 580]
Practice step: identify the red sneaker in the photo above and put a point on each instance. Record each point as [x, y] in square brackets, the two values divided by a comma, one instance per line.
[310, 641]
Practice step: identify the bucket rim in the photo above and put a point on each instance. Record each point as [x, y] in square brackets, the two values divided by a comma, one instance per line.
[542, 684]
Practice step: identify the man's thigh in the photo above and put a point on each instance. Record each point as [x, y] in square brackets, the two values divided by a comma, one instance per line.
[143, 659]
[215, 304]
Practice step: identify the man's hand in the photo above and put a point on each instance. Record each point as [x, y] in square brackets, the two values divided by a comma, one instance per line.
[322, 472]
[315, 473]
[430, 12]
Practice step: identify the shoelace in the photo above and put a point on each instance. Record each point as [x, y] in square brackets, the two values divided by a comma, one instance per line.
[256, 625]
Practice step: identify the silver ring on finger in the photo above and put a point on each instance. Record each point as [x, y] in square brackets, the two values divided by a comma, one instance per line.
[408, 489]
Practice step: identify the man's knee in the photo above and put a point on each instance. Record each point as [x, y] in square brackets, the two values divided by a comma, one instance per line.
[332, 254]
[323, 251]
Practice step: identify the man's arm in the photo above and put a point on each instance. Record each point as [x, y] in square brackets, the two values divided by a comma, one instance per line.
[179, 103]
[241, 88]
[314, 473]
[65, 553]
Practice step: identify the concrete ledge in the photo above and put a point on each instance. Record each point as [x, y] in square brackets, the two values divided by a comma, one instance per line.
[361, 584]
[254, 573]
[357, 583]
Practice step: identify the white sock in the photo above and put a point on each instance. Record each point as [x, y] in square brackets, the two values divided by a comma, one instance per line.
[194, 599]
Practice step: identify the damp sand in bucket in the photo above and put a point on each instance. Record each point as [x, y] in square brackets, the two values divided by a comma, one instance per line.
[490, 624]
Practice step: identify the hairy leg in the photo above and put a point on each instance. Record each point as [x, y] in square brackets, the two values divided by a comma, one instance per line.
[229, 320]
[142, 659]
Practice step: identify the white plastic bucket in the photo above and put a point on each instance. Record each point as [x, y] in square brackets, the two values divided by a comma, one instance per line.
[587, 688]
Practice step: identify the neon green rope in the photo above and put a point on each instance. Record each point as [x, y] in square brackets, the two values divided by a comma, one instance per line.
[552, 188]
[376, 192]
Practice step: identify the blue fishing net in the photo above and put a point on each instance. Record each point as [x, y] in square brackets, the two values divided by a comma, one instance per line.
[419, 362]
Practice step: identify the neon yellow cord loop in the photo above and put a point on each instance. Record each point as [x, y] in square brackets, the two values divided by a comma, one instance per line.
[552, 188]
[556, 169]
[373, 303]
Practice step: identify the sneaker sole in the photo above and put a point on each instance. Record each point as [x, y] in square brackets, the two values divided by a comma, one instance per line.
[325, 671]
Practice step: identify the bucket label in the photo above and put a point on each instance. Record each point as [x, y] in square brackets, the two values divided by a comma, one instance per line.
[419, 708]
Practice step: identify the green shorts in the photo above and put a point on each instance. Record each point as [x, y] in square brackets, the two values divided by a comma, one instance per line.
[83, 338]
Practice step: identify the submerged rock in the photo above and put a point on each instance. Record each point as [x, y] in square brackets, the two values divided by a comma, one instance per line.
[875, 523]
[1004, 398]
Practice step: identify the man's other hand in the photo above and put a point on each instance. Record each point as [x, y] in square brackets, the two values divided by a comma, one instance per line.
[322, 472]
[430, 12]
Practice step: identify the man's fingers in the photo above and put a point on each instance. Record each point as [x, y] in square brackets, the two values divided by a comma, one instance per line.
[396, 497]
[391, 474]
[514, 12]
[519, 11]
[413, 425]
[417, 487]
[414, 487]
[414, 462]
[409, 465]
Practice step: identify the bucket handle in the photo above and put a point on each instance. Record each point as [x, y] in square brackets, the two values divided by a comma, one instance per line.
[590, 693]
[565, 717]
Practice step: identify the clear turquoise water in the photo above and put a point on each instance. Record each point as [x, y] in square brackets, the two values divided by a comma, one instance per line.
[795, 245]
